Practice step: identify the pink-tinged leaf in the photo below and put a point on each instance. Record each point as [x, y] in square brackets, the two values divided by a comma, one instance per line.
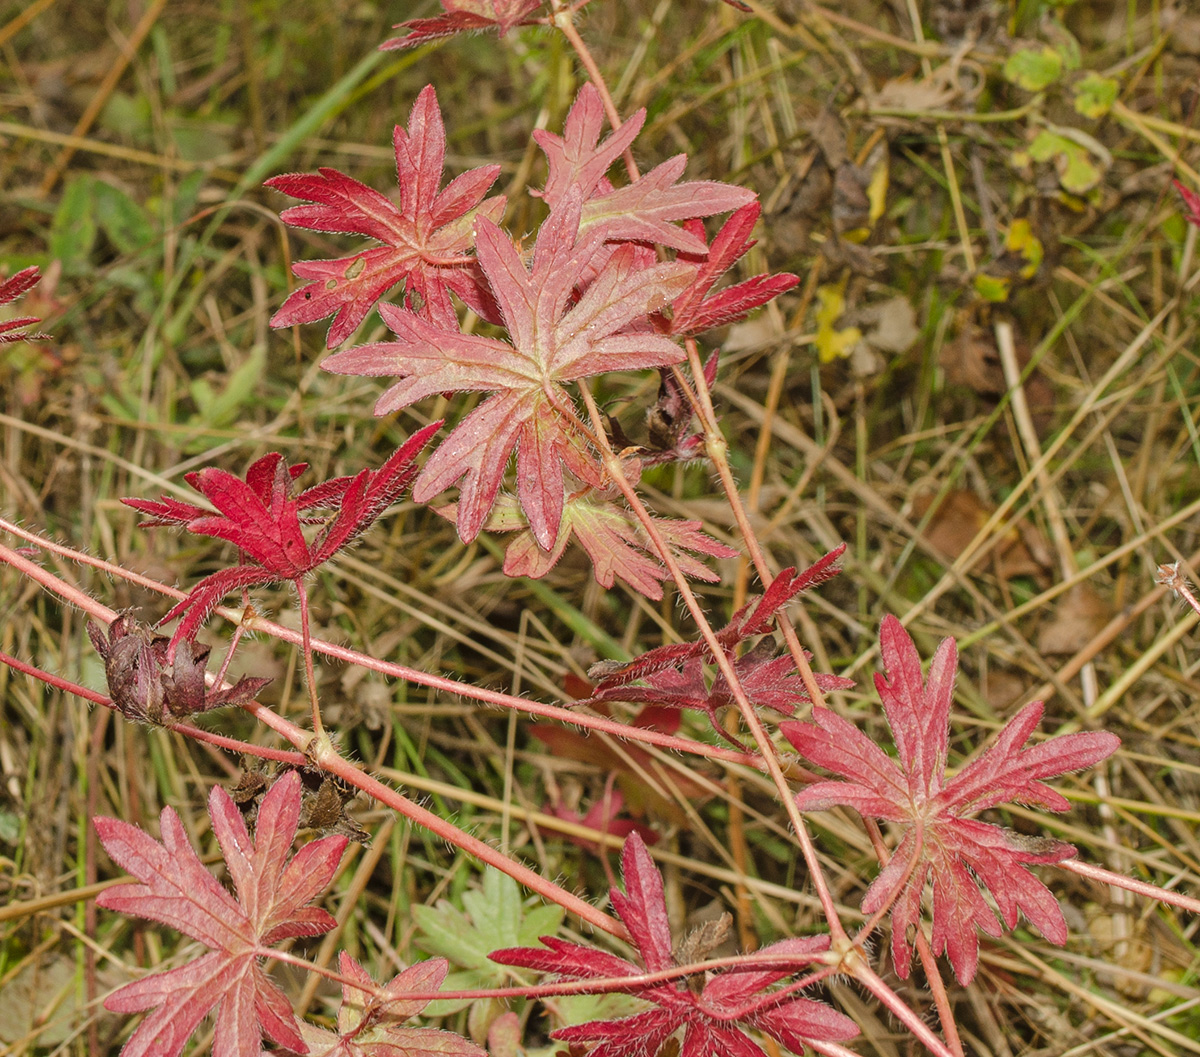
[273, 893]
[369, 1025]
[610, 535]
[944, 846]
[642, 211]
[426, 240]
[464, 15]
[643, 906]
[553, 342]
[1191, 203]
[264, 519]
[768, 681]
[602, 817]
[714, 1017]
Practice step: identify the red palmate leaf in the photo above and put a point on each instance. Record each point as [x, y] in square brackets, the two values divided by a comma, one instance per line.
[710, 1017]
[425, 241]
[554, 341]
[272, 904]
[464, 15]
[697, 309]
[262, 517]
[943, 845]
[10, 290]
[642, 211]
[372, 1026]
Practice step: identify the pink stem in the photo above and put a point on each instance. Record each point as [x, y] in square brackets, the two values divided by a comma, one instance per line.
[1142, 888]
[322, 753]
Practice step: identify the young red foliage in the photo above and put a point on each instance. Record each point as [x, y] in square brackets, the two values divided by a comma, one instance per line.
[769, 680]
[602, 816]
[462, 16]
[642, 211]
[371, 1026]
[272, 904]
[1191, 203]
[754, 618]
[426, 241]
[709, 1014]
[555, 340]
[11, 289]
[263, 518]
[697, 309]
[943, 843]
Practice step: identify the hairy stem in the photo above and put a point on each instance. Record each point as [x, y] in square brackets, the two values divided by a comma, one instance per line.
[749, 716]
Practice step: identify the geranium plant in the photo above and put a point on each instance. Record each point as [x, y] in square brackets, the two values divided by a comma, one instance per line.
[527, 340]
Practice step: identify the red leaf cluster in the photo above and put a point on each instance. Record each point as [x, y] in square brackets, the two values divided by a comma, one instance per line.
[262, 517]
[463, 16]
[714, 1014]
[595, 298]
[674, 676]
[425, 241]
[943, 844]
[273, 893]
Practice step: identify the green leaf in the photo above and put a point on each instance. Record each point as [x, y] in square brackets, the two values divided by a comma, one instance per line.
[495, 916]
[992, 288]
[1095, 95]
[73, 229]
[222, 409]
[1034, 69]
[1077, 171]
[126, 224]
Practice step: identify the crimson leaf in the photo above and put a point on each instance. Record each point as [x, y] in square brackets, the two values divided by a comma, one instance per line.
[709, 1015]
[768, 680]
[272, 904]
[463, 15]
[754, 618]
[372, 1026]
[697, 309]
[263, 518]
[1191, 203]
[943, 844]
[426, 240]
[554, 341]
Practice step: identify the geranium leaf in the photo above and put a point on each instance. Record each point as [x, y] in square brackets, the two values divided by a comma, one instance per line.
[272, 903]
[710, 1016]
[943, 844]
[426, 240]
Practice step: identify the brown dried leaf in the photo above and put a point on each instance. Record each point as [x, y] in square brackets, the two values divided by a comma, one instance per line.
[1079, 616]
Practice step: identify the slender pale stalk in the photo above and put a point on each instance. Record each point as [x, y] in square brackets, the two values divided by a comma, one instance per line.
[616, 471]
